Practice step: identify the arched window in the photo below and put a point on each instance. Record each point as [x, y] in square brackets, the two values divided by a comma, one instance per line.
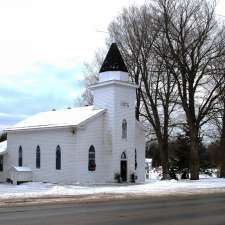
[1, 163]
[135, 159]
[58, 158]
[91, 159]
[38, 157]
[20, 156]
[123, 156]
[124, 129]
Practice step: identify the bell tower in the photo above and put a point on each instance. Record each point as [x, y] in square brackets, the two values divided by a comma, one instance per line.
[116, 94]
[113, 67]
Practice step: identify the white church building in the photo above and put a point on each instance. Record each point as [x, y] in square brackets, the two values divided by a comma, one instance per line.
[91, 144]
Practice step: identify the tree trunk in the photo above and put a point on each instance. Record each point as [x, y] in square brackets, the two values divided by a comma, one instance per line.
[163, 149]
[222, 147]
[222, 169]
[194, 156]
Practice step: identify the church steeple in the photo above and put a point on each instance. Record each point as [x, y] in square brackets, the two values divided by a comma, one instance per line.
[113, 67]
[116, 94]
[113, 60]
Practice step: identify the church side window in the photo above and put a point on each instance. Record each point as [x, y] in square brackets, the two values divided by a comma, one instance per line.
[58, 158]
[91, 159]
[135, 156]
[20, 157]
[38, 157]
[124, 129]
[1, 162]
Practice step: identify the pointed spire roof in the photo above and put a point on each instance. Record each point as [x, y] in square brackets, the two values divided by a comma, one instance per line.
[113, 60]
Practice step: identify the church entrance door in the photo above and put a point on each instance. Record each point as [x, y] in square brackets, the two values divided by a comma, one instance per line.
[123, 171]
[123, 167]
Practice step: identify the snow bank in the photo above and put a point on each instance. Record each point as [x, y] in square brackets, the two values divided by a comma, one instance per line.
[150, 187]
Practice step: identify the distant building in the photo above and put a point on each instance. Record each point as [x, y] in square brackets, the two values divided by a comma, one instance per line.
[91, 144]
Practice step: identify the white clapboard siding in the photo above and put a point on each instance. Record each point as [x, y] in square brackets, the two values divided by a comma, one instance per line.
[119, 100]
[123, 95]
[140, 148]
[104, 132]
[74, 153]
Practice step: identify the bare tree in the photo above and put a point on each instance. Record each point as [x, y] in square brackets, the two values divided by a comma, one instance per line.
[129, 30]
[3, 136]
[194, 43]
[222, 138]
[135, 33]
[159, 97]
[91, 72]
[218, 118]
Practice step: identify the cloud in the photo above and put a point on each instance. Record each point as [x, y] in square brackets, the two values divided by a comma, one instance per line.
[53, 31]
[43, 89]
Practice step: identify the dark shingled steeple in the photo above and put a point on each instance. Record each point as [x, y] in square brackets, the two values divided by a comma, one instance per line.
[113, 60]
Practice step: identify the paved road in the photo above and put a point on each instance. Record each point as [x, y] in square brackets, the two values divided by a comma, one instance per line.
[192, 210]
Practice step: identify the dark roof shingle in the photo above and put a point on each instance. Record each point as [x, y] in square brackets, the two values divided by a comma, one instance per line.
[113, 60]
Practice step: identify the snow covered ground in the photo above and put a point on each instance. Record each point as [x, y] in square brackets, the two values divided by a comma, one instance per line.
[150, 187]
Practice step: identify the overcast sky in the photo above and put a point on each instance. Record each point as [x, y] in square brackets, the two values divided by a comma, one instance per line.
[43, 45]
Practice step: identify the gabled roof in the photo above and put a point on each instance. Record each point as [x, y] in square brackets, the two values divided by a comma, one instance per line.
[59, 118]
[113, 60]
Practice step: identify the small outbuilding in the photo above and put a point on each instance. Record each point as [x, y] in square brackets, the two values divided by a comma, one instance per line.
[18, 175]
